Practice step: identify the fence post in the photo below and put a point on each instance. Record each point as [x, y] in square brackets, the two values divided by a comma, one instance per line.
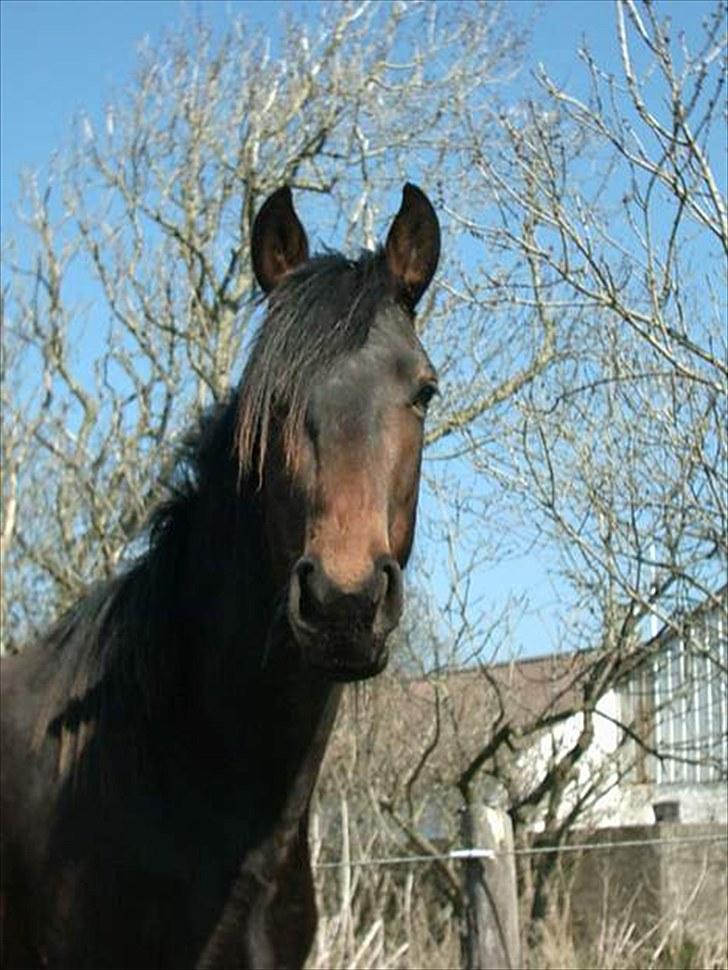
[492, 940]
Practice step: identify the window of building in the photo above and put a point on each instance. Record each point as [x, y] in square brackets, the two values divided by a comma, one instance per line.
[678, 704]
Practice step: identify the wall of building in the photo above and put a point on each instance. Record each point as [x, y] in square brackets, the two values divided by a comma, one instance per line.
[617, 799]
[652, 889]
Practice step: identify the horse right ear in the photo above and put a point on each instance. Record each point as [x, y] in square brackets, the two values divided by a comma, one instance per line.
[279, 242]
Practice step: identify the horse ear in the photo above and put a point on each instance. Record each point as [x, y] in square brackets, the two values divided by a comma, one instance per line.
[279, 242]
[413, 246]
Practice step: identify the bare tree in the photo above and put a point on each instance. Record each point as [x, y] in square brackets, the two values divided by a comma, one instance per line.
[129, 306]
[611, 230]
[603, 220]
[620, 447]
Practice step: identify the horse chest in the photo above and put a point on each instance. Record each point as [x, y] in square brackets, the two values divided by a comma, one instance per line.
[269, 916]
[191, 901]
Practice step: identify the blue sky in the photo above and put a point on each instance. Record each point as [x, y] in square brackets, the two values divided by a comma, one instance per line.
[60, 57]
[63, 56]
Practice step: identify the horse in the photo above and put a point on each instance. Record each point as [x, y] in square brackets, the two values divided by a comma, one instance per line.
[160, 744]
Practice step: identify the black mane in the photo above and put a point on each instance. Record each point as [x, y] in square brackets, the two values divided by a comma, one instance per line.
[123, 635]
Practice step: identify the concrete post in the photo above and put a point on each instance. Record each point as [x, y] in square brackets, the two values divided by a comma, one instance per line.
[491, 940]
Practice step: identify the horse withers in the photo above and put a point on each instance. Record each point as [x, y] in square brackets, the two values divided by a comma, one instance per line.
[161, 743]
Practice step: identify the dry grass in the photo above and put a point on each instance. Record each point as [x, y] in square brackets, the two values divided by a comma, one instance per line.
[619, 947]
[408, 940]
[391, 920]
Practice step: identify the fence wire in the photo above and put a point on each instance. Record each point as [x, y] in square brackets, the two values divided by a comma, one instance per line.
[459, 855]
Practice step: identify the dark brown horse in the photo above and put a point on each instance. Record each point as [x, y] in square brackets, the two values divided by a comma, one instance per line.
[161, 744]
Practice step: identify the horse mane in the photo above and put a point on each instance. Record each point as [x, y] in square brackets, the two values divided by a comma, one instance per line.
[121, 632]
[318, 314]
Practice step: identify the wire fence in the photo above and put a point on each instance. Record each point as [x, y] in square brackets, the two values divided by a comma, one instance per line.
[477, 853]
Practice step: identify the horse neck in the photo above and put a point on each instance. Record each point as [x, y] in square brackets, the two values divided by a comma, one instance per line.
[263, 710]
[289, 735]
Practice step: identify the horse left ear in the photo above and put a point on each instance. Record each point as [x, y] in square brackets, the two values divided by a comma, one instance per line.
[413, 246]
[279, 242]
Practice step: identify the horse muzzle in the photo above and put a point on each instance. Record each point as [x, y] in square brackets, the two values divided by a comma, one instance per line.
[344, 634]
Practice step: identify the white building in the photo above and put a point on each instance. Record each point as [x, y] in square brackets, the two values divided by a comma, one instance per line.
[676, 703]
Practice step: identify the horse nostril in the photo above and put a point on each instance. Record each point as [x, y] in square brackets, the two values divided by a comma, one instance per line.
[384, 584]
[301, 601]
[314, 596]
[392, 596]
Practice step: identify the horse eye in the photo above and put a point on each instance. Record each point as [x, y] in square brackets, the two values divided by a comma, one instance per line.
[421, 400]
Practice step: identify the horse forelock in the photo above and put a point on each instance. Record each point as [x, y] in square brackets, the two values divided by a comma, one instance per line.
[317, 316]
